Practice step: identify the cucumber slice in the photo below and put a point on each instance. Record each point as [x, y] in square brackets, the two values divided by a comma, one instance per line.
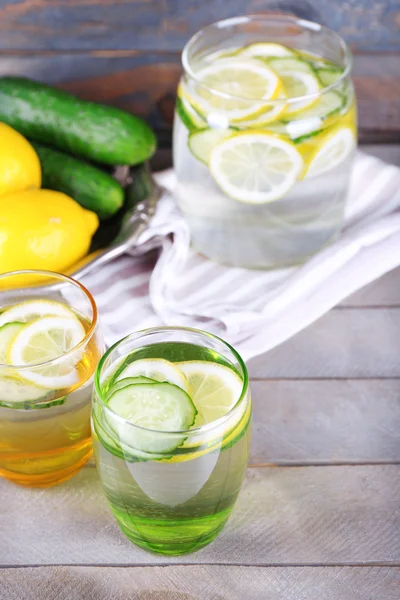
[56, 402]
[328, 76]
[280, 65]
[107, 438]
[201, 143]
[121, 383]
[162, 407]
[7, 334]
[328, 104]
[188, 115]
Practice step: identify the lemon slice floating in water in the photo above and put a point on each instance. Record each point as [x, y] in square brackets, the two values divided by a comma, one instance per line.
[235, 88]
[297, 84]
[33, 309]
[44, 340]
[330, 151]
[255, 167]
[266, 50]
[215, 389]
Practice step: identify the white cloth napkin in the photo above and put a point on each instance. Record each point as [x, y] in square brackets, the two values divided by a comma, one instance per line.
[253, 310]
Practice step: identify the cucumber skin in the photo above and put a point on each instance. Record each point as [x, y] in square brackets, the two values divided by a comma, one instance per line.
[90, 187]
[94, 131]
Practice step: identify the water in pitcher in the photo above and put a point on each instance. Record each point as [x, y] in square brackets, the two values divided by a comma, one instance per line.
[263, 184]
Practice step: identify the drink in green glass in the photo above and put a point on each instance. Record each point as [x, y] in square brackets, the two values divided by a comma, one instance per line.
[171, 431]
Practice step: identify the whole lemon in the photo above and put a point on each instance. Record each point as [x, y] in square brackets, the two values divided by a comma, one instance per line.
[43, 229]
[19, 164]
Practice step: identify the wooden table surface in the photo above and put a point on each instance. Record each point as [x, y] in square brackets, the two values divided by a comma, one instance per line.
[319, 513]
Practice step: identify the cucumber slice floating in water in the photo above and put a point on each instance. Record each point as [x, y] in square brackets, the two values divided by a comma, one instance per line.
[328, 76]
[122, 383]
[154, 409]
[155, 368]
[328, 104]
[280, 65]
[201, 143]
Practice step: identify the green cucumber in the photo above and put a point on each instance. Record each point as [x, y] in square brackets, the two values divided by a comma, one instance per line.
[94, 131]
[140, 186]
[151, 414]
[91, 187]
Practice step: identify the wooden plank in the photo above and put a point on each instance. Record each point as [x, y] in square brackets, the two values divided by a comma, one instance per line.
[145, 83]
[317, 422]
[167, 25]
[205, 582]
[388, 152]
[325, 422]
[346, 342]
[385, 291]
[377, 81]
[284, 516]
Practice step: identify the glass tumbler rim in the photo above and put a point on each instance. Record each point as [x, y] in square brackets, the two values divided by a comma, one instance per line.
[69, 280]
[167, 329]
[242, 20]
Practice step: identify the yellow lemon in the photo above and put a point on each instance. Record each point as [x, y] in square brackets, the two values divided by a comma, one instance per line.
[19, 164]
[43, 229]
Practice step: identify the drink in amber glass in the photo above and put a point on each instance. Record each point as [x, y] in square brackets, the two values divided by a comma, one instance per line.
[171, 432]
[264, 139]
[49, 348]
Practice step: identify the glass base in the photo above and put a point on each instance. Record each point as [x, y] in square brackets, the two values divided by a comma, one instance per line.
[173, 538]
[266, 260]
[49, 469]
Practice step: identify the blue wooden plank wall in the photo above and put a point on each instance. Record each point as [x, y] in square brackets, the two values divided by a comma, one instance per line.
[126, 52]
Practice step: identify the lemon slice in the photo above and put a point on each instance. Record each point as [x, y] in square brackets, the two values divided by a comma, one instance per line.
[271, 113]
[159, 369]
[255, 167]
[44, 340]
[235, 87]
[335, 147]
[219, 54]
[215, 389]
[296, 84]
[7, 334]
[33, 309]
[14, 391]
[266, 50]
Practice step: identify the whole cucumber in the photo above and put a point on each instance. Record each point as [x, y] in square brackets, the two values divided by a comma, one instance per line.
[94, 131]
[90, 187]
